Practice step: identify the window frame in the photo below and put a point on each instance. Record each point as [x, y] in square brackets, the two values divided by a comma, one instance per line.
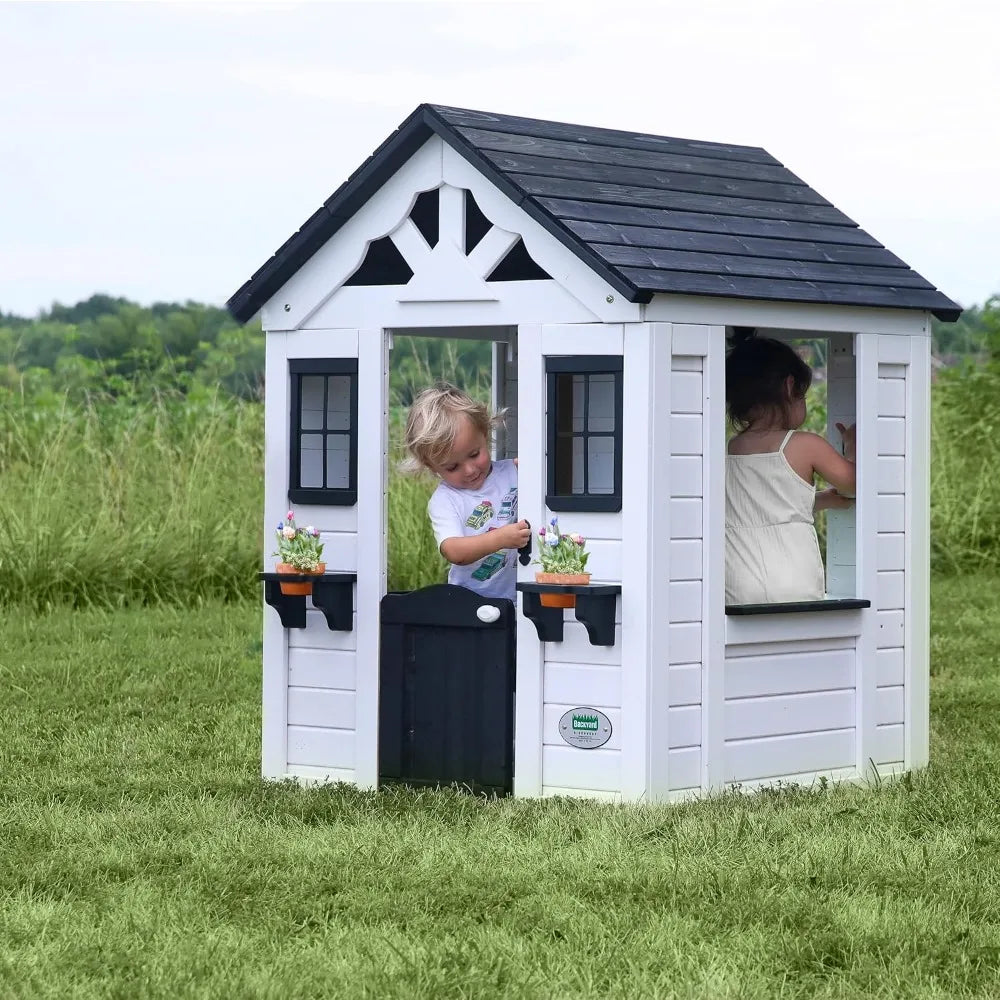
[583, 364]
[321, 495]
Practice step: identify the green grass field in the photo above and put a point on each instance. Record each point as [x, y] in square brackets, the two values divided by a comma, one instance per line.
[143, 857]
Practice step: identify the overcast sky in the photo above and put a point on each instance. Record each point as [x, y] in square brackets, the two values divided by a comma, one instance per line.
[164, 151]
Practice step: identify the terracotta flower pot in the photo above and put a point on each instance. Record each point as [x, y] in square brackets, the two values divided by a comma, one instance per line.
[298, 587]
[566, 579]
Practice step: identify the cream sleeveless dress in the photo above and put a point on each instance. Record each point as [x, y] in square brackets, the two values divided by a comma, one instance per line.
[772, 554]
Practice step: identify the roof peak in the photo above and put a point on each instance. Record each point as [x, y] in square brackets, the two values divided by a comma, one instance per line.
[647, 213]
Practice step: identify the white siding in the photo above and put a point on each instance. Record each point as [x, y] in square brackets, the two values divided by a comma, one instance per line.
[320, 688]
[687, 488]
[789, 708]
[890, 563]
[574, 673]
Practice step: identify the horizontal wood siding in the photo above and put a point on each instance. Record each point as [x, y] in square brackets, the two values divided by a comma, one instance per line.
[576, 674]
[789, 708]
[322, 663]
[686, 588]
[890, 597]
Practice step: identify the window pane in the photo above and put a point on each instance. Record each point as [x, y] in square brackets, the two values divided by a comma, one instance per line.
[311, 460]
[601, 465]
[338, 462]
[578, 483]
[578, 394]
[338, 404]
[601, 412]
[311, 402]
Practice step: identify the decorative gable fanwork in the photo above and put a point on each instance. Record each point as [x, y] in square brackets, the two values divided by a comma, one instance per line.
[446, 244]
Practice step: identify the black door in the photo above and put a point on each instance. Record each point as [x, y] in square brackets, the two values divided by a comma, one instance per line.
[446, 689]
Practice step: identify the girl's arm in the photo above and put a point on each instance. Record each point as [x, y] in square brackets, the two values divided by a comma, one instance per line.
[811, 454]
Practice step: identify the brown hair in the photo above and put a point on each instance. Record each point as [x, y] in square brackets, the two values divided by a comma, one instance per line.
[756, 371]
[433, 423]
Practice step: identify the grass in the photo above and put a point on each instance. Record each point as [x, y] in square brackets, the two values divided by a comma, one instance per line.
[158, 501]
[144, 858]
[130, 503]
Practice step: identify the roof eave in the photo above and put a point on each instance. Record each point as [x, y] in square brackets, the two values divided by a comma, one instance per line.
[334, 212]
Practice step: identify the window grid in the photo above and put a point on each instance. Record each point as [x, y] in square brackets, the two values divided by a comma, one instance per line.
[561, 442]
[323, 494]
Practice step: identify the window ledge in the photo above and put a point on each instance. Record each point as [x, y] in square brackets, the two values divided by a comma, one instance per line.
[332, 593]
[792, 607]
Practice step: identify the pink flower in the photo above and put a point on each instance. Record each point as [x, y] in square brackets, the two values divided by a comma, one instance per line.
[578, 538]
[290, 516]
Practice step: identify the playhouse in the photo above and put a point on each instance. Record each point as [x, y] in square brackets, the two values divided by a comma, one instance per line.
[606, 268]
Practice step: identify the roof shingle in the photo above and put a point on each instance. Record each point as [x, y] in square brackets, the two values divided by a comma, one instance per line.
[647, 213]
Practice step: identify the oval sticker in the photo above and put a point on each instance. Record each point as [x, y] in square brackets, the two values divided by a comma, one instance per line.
[585, 728]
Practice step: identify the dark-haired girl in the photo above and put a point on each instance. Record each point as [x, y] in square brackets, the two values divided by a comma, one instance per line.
[772, 554]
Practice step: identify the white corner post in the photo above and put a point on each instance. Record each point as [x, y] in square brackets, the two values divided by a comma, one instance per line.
[274, 694]
[866, 552]
[529, 700]
[373, 529]
[713, 633]
[917, 554]
[645, 597]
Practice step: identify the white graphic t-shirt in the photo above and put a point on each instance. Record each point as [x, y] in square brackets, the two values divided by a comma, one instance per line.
[459, 513]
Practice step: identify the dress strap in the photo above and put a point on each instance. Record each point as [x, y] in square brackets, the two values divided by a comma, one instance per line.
[784, 441]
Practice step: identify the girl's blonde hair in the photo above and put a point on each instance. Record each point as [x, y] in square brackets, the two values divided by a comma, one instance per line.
[434, 421]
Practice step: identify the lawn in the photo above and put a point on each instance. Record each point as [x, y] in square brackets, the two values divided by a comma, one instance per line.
[143, 857]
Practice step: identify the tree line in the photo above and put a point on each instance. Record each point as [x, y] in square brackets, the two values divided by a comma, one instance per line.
[112, 346]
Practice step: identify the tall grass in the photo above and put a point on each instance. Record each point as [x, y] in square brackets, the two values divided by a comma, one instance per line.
[160, 501]
[965, 452]
[122, 503]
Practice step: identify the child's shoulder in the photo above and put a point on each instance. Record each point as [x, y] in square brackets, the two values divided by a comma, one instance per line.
[808, 446]
[807, 439]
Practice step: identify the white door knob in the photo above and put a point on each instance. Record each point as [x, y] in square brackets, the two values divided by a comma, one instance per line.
[487, 613]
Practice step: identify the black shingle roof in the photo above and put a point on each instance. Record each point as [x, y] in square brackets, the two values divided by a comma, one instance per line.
[647, 213]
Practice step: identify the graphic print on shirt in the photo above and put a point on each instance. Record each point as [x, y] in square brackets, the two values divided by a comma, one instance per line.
[490, 566]
[481, 513]
[508, 506]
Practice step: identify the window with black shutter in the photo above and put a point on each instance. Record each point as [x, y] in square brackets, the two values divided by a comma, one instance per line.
[323, 467]
[584, 429]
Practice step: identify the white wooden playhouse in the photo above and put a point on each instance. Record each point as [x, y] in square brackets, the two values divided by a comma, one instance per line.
[606, 267]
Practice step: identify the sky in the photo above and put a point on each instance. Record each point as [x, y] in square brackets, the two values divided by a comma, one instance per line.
[163, 151]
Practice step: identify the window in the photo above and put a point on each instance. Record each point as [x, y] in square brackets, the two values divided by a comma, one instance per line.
[584, 433]
[323, 467]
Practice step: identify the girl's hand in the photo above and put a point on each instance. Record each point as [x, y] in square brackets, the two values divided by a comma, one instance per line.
[849, 435]
[830, 499]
